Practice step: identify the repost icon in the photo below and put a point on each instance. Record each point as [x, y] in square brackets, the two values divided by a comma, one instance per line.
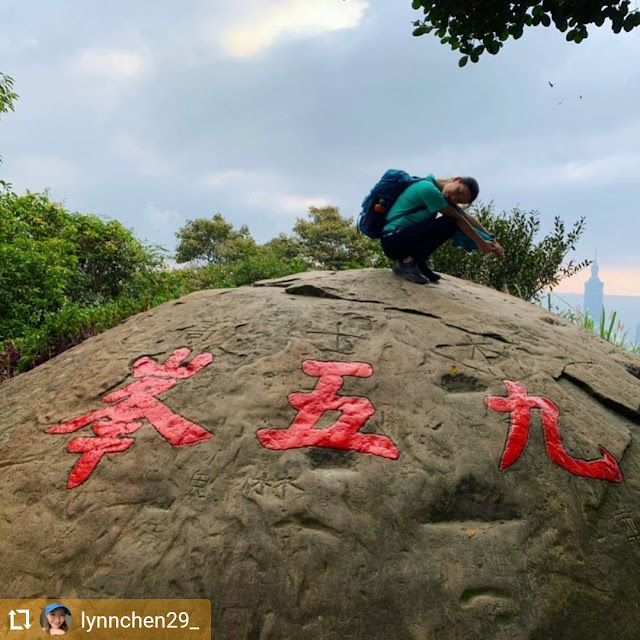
[19, 620]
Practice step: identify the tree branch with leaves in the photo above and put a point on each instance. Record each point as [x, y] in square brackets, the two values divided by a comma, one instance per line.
[474, 27]
[7, 99]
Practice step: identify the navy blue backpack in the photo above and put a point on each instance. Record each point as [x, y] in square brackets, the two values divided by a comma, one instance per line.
[382, 197]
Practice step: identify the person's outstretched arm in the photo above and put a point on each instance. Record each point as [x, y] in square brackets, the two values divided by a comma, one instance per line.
[468, 229]
[474, 222]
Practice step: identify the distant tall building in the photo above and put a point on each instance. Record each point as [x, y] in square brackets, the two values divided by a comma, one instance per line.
[593, 290]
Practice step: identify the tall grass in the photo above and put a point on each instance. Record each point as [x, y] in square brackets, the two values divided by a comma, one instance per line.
[609, 327]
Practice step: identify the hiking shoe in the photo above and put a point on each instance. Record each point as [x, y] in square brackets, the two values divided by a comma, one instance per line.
[409, 271]
[427, 272]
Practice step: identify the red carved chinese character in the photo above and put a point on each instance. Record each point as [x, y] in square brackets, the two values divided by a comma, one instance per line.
[135, 402]
[519, 405]
[343, 434]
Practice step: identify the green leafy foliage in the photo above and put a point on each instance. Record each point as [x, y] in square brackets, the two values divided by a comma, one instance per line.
[475, 27]
[528, 266]
[65, 276]
[212, 241]
[7, 99]
[110, 259]
[261, 264]
[74, 322]
[49, 256]
[36, 263]
[7, 95]
[326, 240]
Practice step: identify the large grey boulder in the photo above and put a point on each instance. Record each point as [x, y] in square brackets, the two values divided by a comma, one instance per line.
[483, 480]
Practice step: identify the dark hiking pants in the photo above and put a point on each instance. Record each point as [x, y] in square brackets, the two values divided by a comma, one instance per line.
[420, 240]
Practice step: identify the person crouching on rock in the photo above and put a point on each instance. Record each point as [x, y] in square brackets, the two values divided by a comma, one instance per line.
[413, 229]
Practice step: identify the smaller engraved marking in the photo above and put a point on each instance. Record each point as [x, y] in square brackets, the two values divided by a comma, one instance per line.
[200, 331]
[343, 342]
[198, 483]
[262, 484]
[628, 526]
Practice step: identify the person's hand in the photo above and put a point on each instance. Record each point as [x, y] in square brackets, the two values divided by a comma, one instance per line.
[498, 250]
[492, 247]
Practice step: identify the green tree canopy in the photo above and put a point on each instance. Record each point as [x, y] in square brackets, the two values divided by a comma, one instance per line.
[212, 241]
[475, 26]
[284, 246]
[327, 240]
[49, 256]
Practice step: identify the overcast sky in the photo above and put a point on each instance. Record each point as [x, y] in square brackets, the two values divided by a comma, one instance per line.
[156, 112]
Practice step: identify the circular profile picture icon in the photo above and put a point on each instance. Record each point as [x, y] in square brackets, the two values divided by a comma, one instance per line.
[55, 619]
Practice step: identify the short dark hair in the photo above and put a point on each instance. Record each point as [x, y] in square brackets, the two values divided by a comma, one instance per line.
[472, 185]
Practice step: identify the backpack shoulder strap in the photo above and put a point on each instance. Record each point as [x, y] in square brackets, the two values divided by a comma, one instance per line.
[397, 216]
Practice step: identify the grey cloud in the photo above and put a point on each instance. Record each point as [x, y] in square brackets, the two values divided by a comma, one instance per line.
[322, 116]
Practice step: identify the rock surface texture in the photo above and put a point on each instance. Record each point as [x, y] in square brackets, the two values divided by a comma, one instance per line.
[359, 457]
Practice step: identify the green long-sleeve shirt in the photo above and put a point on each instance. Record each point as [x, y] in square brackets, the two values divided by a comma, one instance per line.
[424, 194]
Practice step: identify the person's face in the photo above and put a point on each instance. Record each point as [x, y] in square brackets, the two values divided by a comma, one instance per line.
[56, 618]
[456, 192]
